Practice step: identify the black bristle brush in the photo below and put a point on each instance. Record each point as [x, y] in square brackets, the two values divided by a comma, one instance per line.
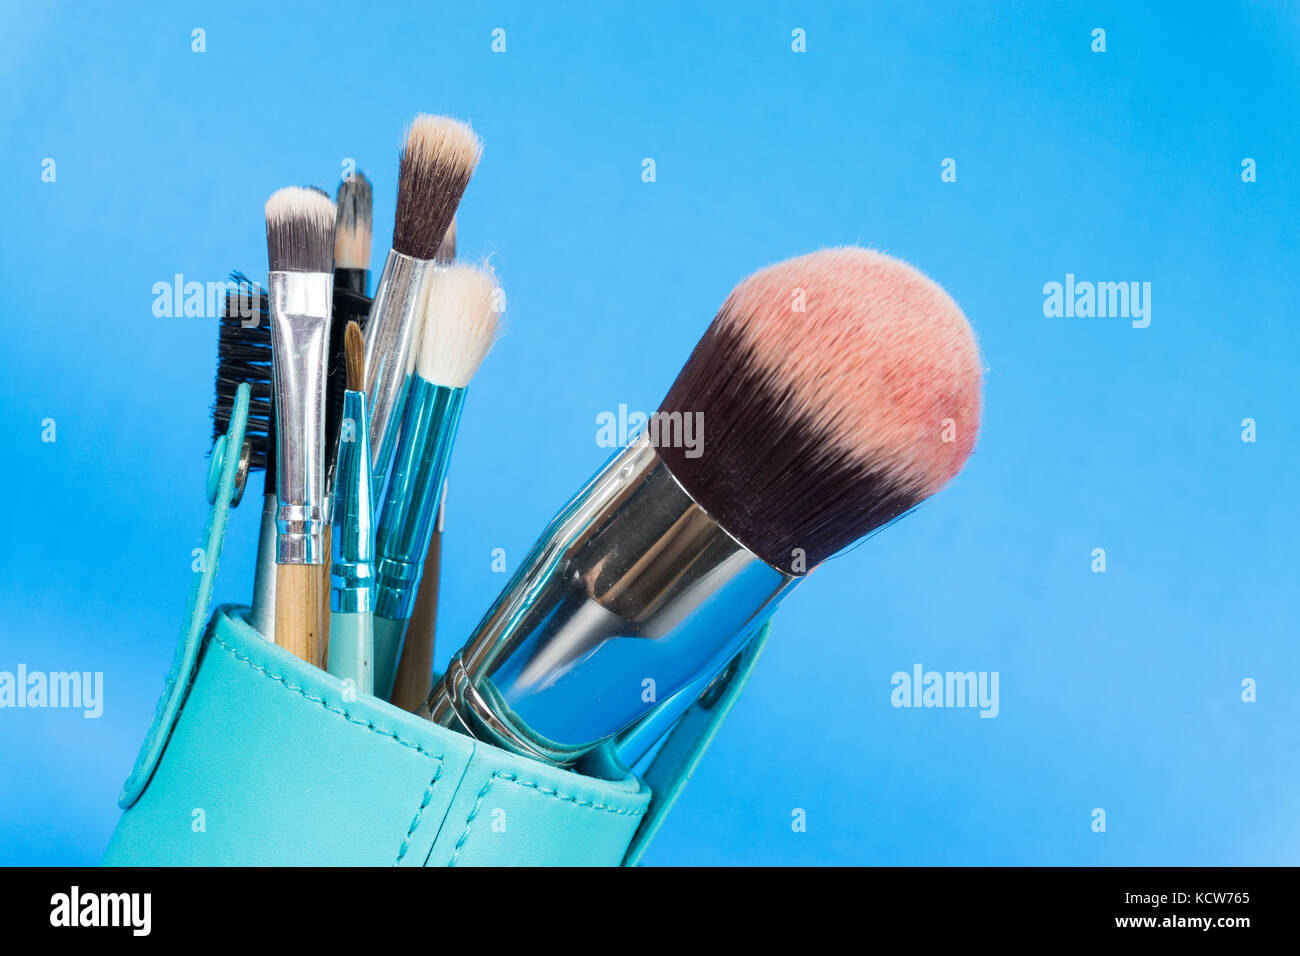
[244, 356]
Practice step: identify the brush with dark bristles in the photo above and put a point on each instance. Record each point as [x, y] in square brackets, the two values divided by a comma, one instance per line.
[351, 283]
[244, 355]
[349, 306]
[789, 434]
[415, 667]
[352, 234]
[300, 249]
[438, 158]
[351, 302]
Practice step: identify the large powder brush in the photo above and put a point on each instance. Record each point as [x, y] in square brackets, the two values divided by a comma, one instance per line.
[845, 388]
[832, 393]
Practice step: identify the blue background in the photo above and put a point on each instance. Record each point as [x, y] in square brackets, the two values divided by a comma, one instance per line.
[1119, 690]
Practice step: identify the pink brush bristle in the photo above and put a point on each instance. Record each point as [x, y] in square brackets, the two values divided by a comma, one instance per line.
[838, 390]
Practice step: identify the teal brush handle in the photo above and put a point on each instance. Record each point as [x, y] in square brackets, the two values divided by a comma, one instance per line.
[388, 645]
[411, 504]
[352, 648]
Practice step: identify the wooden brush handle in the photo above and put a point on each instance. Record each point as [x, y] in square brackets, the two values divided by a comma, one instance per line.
[415, 667]
[297, 610]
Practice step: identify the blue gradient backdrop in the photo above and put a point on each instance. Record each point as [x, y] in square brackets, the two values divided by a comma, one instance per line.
[1119, 690]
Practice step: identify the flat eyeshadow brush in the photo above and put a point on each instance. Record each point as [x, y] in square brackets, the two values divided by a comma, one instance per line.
[415, 666]
[300, 250]
[244, 354]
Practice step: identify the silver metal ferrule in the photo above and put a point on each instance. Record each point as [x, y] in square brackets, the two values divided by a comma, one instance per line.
[262, 616]
[411, 503]
[300, 327]
[395, 319]
[352, 575]
[632, 593]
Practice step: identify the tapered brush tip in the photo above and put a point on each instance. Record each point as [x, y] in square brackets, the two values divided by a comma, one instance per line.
[835, 391]
[355, 222]
[354, 354]
[300, 230]
[461, 320]
[438, 158]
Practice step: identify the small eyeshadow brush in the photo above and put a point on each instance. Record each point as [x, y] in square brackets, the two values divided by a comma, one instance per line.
[352, 642]
[300, 250]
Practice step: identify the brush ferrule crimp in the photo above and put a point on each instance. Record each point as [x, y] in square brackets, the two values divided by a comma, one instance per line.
[395, 320]
[300, 320]
[631, 594]
[352, 574]
[432, 414]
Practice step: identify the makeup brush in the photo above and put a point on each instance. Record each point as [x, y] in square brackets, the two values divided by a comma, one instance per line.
[349, 306]
[459, 325]
[351, 646]
[415, 666]
[355, 204]
[437, 160]
[244, 355]
[299, 243]
[831, 394]
[351, 283]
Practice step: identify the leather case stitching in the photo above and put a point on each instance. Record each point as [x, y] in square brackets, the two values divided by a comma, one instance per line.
[428, 798]
[339, 711]
[367, 724]
[539, 788]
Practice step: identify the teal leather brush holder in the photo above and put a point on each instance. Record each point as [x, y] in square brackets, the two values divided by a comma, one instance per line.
[257, 758]
[272, 761]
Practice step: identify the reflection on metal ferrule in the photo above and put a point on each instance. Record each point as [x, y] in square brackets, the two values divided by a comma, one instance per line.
[300, 313]
[353, 571]
[631, 594]
[395, 319]
[411, 504]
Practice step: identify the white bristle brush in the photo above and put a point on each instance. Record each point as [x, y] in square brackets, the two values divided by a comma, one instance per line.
[460, 323]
